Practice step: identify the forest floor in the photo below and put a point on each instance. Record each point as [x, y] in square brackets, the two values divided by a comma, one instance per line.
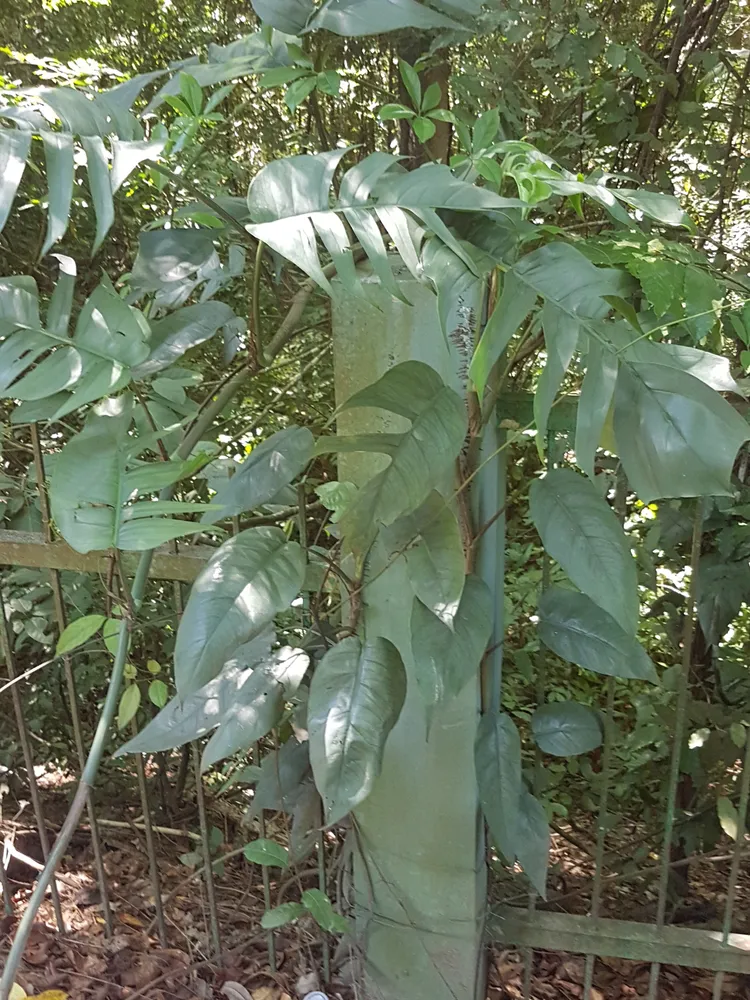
[83, 963]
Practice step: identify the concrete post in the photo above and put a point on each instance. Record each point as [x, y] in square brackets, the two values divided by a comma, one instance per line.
[420, 881]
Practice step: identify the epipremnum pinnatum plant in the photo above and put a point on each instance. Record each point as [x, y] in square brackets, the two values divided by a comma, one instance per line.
[623, 314]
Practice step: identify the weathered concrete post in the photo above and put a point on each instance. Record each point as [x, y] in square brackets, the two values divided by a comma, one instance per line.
[420, 880]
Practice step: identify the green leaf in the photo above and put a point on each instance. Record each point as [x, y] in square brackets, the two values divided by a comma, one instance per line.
[728, 816]
[581, 532]
[738, 734]
[391, 112]
[336, 497]
[722, 587]
[299, 91]
[431, 97]
[532, 850]
[448, 649]
[676, 436]
[656, 205]
[510, 311]
[594, 402]
[268, 468]
[78, 632]
[424, 128]
[419, 457]
[109, 338]
[158, 694]
[703, 296]
[192, 92]
[95, 475]
[290, 205]
[661, 280]
[411, 81]
[58, 155]
[353, 18]
[15, 145]
[561, 332]
[280, 75]
[251, 578]
[288, 16]
[430, 542]
[565, 728]
[356, 695]
[321, 909]
[267, 852]
[111, 635]
[442, 115]
[180, 331]
[575, 628]
[497, 760]
[281, 915]
[129, 704]
[97, 165]
[182, 720]
[127, 154]
[485, 130]
[258, 705]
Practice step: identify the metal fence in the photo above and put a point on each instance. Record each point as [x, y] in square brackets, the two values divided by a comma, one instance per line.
[593, 934]
[522, 923]
[175, 567]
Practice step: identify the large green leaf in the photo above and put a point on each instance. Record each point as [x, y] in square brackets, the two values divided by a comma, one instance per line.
[289, 16]
[722, 587]
[430, 542]
[95, 479]
[565, 728]
[59, 157]
[581, 532]
[251, 578]
[356, 696]
[292, 207]
[575, 628]
[99, 184]
[373, 17]
[510, 311]
[594, 401]
[497, 760]
[570, 285]
[14, 151]
[110, 337]
[258, 704]
[185, 719]
[182, 330]
[267, 469]
[676, 436]
[420, 456]
[561, 331]
[533, 840]
[448, 649]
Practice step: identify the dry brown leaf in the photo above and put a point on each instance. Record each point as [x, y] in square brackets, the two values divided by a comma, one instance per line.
[130, 920]
[264, 993]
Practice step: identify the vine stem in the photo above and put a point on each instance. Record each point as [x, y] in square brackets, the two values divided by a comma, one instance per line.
[192, 436]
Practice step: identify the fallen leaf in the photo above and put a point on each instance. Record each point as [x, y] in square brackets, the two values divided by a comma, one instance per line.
[17, 992]
[130, 920]
[263, 993]
[50, 995]
[236, 991]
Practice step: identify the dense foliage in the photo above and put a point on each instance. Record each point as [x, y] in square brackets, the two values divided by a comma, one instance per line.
[179, 187]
